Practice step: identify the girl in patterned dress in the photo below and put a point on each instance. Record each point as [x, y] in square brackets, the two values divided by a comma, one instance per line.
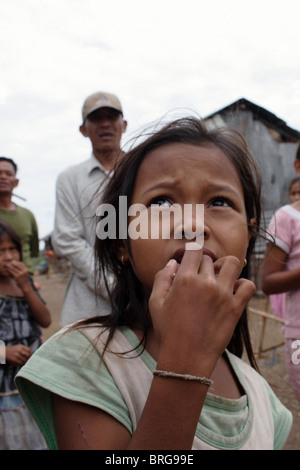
[22, 313]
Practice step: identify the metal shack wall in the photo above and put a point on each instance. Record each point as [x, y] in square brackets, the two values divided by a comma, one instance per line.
[274, 158]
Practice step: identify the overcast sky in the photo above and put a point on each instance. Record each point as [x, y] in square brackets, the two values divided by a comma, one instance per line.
[158, 56]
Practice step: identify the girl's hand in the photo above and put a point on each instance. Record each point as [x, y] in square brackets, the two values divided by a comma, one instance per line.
[19, 272]
[195, 307]
[17, 354]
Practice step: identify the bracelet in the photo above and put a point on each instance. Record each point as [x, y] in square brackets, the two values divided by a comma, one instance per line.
[190, 378]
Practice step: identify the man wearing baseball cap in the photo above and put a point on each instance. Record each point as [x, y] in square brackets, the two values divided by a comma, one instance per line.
[78, 194]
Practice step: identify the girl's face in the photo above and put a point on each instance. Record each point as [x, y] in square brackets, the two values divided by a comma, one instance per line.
[295, 192]
[8, 253]
[189, 174]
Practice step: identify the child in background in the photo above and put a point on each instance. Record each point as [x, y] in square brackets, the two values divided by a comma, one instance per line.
[294, 190]
[21, 313]
[281, 272]
[162, 370]
[278, 301]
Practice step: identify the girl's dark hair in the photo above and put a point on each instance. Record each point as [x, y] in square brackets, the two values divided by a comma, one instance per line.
[6, 229]
[128, 300]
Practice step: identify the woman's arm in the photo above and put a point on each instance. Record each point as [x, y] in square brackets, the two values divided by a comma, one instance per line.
[275, 279]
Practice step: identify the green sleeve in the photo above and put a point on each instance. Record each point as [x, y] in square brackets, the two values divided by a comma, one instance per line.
[68, 365]
[282, 419]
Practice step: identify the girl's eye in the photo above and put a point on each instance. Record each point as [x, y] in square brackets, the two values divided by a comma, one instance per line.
[161, 201]
[221, 202]
[11, 249]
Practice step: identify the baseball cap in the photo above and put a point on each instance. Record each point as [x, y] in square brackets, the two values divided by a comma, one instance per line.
[98, 100]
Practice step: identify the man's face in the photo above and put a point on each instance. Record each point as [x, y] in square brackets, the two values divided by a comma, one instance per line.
[8, 180]
[104, 127]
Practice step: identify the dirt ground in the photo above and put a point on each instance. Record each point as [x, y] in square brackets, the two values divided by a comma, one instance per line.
[270, 360]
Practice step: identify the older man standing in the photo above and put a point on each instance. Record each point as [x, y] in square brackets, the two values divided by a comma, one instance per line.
[78, 193]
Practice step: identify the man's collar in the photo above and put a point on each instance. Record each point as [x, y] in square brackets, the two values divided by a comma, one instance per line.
[93, 163]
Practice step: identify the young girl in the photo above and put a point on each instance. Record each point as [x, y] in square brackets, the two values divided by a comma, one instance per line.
[162, 369]
[294, 189]
[21, 313]
[281, 274]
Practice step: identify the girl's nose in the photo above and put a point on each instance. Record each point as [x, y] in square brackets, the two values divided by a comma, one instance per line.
[191, 226]
[8, 255]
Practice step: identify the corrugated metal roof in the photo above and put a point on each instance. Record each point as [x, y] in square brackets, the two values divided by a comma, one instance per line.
[287, 133]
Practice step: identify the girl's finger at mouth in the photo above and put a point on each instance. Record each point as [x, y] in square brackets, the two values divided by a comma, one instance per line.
[192, 256]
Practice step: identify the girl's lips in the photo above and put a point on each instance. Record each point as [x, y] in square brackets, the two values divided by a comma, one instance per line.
[210, 254]
[178, 255]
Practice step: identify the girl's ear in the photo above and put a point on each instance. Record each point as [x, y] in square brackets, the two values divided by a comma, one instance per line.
[122, 253]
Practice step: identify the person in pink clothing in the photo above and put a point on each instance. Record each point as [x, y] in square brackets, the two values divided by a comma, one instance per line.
[278, 301]
[281, 273]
